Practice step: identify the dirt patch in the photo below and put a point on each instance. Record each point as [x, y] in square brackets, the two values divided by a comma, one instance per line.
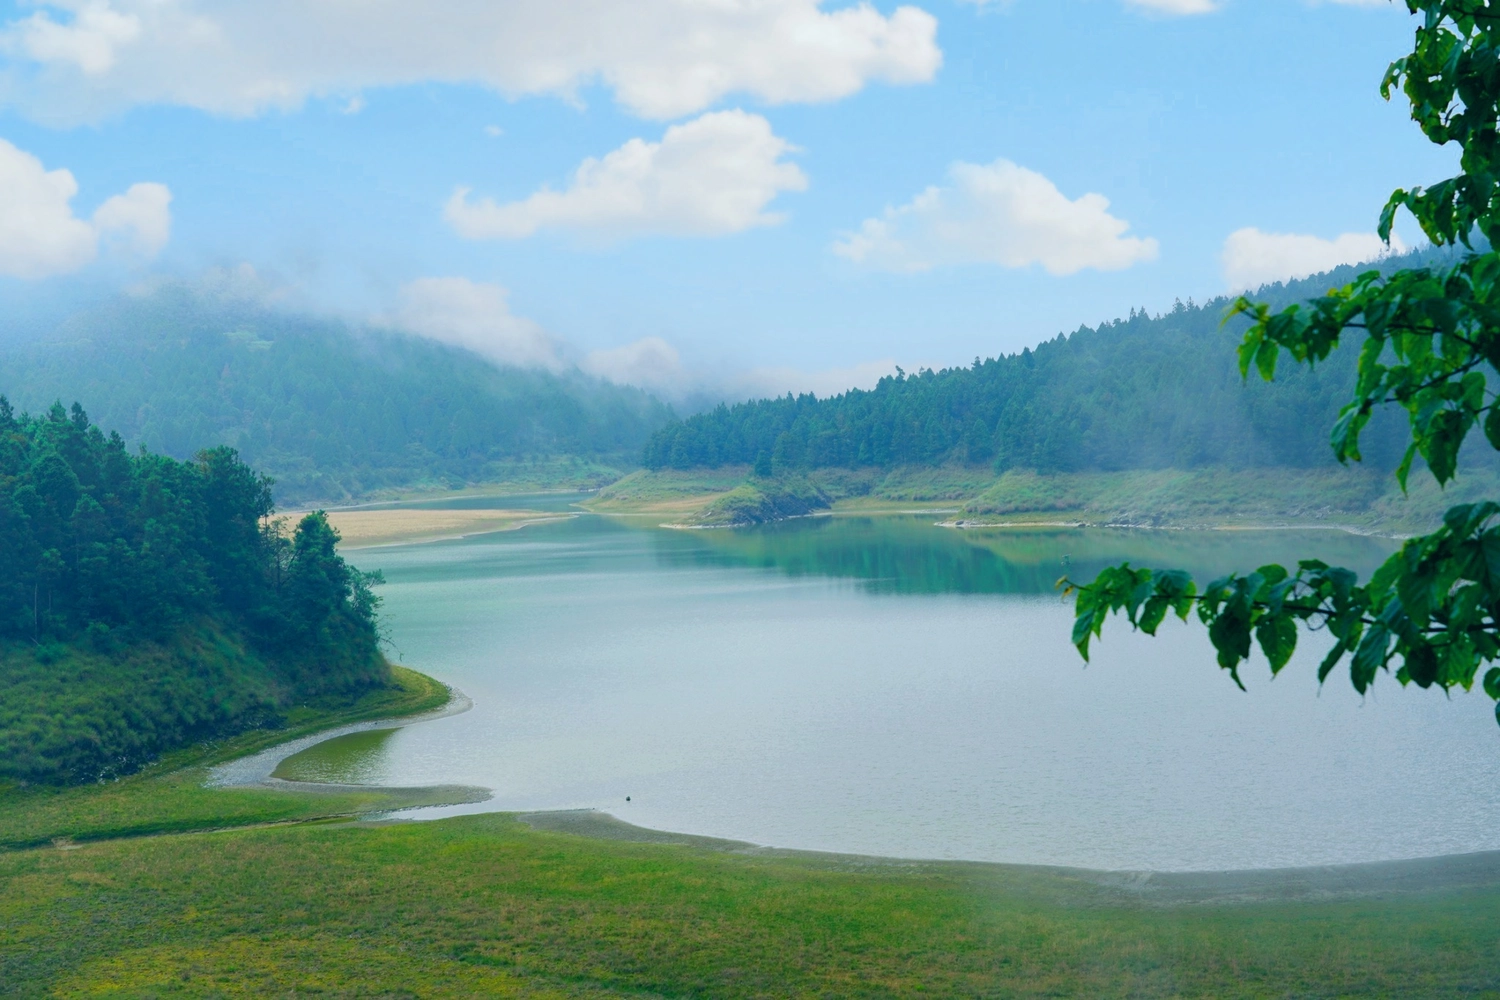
[364, 528]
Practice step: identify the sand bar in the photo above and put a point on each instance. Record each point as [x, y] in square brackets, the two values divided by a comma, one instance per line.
[364, 528]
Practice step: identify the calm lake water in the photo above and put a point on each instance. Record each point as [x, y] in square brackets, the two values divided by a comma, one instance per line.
[884, 686]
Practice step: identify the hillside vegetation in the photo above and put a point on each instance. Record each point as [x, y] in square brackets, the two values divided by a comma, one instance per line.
[760, 501]
[147, 602]
[329, 411]
[1146, 392]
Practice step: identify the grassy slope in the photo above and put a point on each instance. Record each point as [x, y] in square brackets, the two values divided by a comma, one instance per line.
[486, 905]
[759, 501]
[1354, 498]
[169, 796]
[667, 492]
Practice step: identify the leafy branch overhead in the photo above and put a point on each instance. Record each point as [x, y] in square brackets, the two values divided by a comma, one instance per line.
[1428, 342]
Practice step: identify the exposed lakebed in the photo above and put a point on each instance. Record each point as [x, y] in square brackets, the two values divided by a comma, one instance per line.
[880, 685]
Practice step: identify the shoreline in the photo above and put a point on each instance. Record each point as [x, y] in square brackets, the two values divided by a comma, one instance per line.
[420, 539]
[369, 529]
[967, 525]
[1309, 883]
[1150, 887]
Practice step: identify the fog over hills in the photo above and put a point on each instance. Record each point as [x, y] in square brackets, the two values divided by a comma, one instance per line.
[332, 411]
[337, 411]
[1143, 392]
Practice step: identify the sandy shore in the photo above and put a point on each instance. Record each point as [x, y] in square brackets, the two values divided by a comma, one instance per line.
[364, 528]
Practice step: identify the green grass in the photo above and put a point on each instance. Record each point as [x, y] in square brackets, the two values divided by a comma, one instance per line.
[486, 905]
[169, 795]
[645, 491]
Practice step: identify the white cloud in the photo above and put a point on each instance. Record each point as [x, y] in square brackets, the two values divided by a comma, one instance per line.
[1252, 258]
[473, 315]
[1165, 6]
[39, 234]
[997, 214]
[79, 59]
[708, 177]
[649, 363]
[88, 42]
[476, 316]
[1177, 7]
[142, 217]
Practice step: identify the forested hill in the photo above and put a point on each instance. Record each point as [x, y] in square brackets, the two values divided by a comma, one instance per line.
[146, 602]
[327, 411]
[1146, 392]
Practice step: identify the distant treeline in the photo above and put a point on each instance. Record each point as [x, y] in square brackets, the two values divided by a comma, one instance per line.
[1146, 392]
[327, 410]
[146, 601]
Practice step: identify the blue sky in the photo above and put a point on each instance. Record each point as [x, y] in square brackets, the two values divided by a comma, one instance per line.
[755, 216]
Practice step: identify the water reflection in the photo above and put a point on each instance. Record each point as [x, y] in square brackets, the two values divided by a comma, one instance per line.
[909, 555]
[354, 759]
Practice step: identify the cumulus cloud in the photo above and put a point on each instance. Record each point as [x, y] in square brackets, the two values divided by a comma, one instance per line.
[997, 214]
[141, 218]
[1252, 258]
[476, 316]
[709, 177]
[79, 59]
[39, 234]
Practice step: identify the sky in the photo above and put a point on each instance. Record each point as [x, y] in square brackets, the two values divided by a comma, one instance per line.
[750, 195]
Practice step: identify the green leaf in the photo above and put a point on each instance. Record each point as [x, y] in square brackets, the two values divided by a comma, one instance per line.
[1331, 660]
[1278, 640]
[1230, 634]
[1403, 471]
[1083, 630]
[1369, 657]
[1421, 665]
[1152, 614]
[1492, 683]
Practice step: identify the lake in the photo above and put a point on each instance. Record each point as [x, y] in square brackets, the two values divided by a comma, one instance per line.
[880, 685]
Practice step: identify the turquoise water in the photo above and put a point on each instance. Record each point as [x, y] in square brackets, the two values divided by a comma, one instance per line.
[885, 686]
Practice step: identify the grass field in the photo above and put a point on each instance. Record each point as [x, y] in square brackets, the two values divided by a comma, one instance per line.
[666, 492]
[486, 905]
[295, 899]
